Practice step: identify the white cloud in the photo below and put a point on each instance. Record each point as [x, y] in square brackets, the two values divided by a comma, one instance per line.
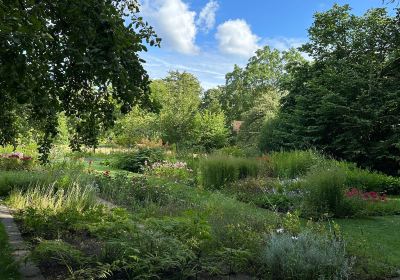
[210, 67]
[235, 37]
[173, 22]
[206, 20]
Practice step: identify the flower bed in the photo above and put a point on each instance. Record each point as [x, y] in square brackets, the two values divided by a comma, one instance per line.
[16, 161]
[175, 170]
[368, 196]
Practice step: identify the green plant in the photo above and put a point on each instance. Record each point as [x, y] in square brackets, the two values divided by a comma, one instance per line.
[133, 192]
[233, 151]
[262, 192]
[8, 268]
[18, 179]
[16, 161]
[57, 252]
[371, 181]
[48, 197]
[138, 160]
[172, 170]
[305, 256]
[325, 193]
[218, 171]
[293, 164]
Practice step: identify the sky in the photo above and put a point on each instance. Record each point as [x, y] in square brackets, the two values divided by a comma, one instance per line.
[208, 37]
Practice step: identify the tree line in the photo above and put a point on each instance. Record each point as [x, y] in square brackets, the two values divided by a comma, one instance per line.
[72, 70]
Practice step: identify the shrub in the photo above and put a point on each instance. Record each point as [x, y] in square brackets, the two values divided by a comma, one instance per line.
[306, 256]
[16, 161]
[294, 163]
[173, 170]
[138, 160]
[372, 203]
[371, 181]
[57, 252]
[218, 171]
[325, 193]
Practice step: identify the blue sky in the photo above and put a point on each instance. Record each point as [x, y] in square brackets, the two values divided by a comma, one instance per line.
[207, 37]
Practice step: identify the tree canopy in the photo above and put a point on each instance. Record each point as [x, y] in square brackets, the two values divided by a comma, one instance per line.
[77, 57]
[345, 102]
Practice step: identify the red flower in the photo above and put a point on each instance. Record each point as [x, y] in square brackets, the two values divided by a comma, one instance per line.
[26, 158]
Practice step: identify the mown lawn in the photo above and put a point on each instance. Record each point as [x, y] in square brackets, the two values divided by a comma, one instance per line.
[8, 270]
[376, 243]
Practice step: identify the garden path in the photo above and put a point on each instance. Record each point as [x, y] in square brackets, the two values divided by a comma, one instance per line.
[27, 269]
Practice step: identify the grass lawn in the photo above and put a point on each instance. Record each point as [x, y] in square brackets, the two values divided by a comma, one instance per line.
[376, 243]
[8, 270]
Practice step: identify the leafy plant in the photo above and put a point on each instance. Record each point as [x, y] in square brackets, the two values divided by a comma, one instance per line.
[138, 160]
[16, 161]
[371, 181]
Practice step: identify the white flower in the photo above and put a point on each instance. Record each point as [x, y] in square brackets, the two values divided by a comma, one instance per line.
[280, 230]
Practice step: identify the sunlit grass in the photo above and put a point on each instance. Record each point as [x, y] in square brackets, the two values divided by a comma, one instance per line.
[48, 197]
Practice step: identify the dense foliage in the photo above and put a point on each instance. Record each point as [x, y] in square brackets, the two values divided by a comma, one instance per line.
[347, 100]
[69, 56]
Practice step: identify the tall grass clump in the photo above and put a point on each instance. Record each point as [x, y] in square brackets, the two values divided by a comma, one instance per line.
[218, 171]
[306, 256]
[325, 193]
[49, 197]
[292, 164]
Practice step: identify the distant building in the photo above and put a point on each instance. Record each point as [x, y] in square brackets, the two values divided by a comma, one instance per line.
[236, 126]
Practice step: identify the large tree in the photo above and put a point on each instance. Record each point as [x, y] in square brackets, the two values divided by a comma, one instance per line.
[263, 75]
[347, 101]
[179, 107]
[78, 57]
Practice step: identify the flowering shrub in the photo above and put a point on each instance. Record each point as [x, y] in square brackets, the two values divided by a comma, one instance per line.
[175, 170]
[368, 196]
[16, 161]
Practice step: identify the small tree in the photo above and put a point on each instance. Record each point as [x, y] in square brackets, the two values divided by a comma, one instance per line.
[210, 131]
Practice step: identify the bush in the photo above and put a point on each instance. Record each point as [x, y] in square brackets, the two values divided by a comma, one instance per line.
[16, 161]
[172, 170]
[325, 193]
[137, 161]
[57, 252]
[218, 171]
[306, 256]
[294, 163]
[371, 181]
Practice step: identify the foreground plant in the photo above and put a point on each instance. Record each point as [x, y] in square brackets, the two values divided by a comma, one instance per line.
[307, 255]
[48, 197]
